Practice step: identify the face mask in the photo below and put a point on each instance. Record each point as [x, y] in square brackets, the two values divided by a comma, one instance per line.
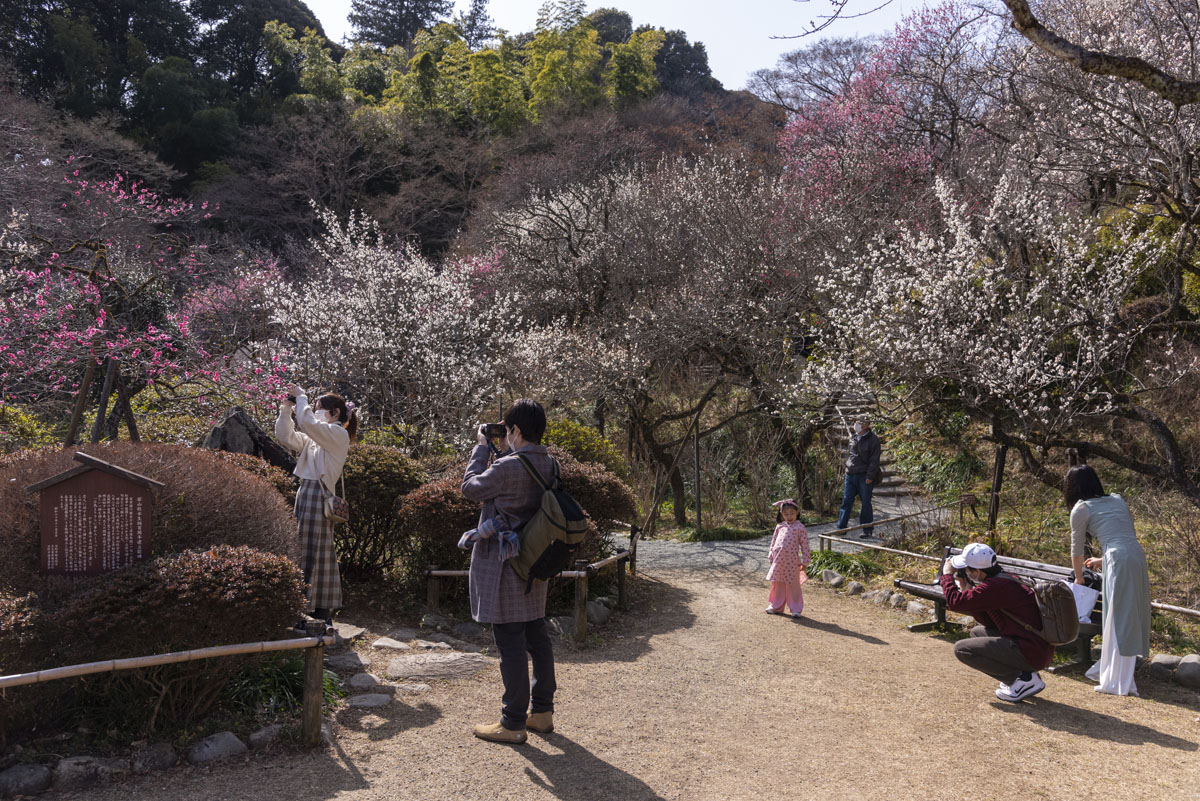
[859, 428]
[321, 415]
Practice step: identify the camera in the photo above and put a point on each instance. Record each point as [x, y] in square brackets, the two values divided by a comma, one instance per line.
[291, 398]
[962, 574]
[494, 430]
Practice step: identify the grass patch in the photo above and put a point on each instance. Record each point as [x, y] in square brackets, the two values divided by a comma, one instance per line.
[719, 534]
[850, 565]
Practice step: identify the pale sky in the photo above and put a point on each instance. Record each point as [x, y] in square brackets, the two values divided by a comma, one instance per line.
[736, 35]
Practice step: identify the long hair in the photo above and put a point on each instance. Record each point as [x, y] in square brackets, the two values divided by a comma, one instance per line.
[332, 402]
[1081, 484]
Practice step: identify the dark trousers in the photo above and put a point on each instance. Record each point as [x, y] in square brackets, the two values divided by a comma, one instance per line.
[988, 652]
[857, 487]
[513, 641]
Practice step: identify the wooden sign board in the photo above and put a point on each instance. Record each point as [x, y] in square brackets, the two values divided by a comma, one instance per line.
[94, 519]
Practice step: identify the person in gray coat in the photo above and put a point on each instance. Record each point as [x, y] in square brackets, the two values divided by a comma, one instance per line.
[498, 596]
[862, 473]
[1125, 625]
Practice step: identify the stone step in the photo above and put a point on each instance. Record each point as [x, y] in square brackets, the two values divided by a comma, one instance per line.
[893, 492]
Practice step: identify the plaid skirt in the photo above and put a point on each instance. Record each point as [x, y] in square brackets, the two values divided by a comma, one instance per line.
[318, 560]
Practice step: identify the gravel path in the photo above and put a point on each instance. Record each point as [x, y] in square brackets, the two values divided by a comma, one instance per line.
[696, 694]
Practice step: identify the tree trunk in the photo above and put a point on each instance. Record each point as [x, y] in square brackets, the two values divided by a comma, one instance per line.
[80, 403]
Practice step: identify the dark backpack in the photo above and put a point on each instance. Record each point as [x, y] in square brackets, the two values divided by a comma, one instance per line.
[1056, 602]
[549, 539]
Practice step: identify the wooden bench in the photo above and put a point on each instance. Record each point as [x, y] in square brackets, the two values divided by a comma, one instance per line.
[1017, 567]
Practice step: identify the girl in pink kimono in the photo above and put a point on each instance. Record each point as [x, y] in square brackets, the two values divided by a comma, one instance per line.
[788, 556]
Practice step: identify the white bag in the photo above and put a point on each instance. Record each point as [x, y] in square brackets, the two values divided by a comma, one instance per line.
[1085, 601]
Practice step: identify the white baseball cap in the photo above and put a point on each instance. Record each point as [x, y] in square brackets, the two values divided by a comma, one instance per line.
[976, 555]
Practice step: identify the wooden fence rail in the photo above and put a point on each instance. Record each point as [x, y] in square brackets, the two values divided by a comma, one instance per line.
[580, 575]
[314, 669]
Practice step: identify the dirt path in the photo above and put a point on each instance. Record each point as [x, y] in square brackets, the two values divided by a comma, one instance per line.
[697, 694]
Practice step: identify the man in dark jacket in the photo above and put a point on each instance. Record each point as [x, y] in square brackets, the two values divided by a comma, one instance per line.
[999, 646]
[862, 472]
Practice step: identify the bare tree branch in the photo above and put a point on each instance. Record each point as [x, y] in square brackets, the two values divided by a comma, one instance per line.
[1163, 84]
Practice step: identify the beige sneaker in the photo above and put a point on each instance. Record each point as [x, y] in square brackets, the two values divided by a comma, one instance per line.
[496, 733]
[541, 722]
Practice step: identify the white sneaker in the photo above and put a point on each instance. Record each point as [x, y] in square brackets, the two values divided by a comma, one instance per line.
[1020, 690]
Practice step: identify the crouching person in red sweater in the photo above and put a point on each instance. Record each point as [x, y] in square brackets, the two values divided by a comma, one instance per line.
[999, 646]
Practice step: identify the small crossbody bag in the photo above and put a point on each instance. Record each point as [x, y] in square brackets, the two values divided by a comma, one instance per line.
[337, 508]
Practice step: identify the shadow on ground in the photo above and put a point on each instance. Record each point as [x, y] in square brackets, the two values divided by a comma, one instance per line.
[576, 774]
[381, 723]
[834, 628]
[655, 608]
[1096, 725]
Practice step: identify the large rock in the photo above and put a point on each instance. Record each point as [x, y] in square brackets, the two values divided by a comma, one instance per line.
[436, 666]
[156, 757]
[363, 681]
[348, 632]
[264, 736]
[368, 700]
[1163, 665]
[854, 588]
[917, 608]
[897, 600]
[882, 597]
[1188, 672]
[392, 645]
[468, 629]
[82, 772]
[25, 780]
[833, 578]
[597, 613]
[347, 661]
[238, 433]
[222, 745]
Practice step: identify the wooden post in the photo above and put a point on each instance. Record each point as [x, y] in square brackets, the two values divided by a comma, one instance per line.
[622, 598]
[581, 595]
[105, 391]
[314, 695]
[994, 500]
[80, 403]
[433, 597]
[699, 524]
[635, 532]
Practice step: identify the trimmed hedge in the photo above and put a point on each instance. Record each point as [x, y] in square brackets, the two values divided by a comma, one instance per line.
[430, 519]
[207, 501]
[376, 478]
[284, 482]
[585, 445]
[194, 599]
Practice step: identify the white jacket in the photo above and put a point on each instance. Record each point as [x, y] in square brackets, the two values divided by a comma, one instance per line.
[322, 447]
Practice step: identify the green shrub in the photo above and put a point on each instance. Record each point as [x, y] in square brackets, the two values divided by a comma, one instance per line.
[178, 602]
[429, 521]
[607, 499]
[19, 429]
[171, 429]
[586, 445]
[851, 565]
[274, 683]
[376, 478]
[207, 501]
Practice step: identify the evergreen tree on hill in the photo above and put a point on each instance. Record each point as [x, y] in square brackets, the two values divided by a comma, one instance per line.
[395, 22]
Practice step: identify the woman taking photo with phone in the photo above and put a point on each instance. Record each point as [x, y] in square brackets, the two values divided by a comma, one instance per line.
[320, 436]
